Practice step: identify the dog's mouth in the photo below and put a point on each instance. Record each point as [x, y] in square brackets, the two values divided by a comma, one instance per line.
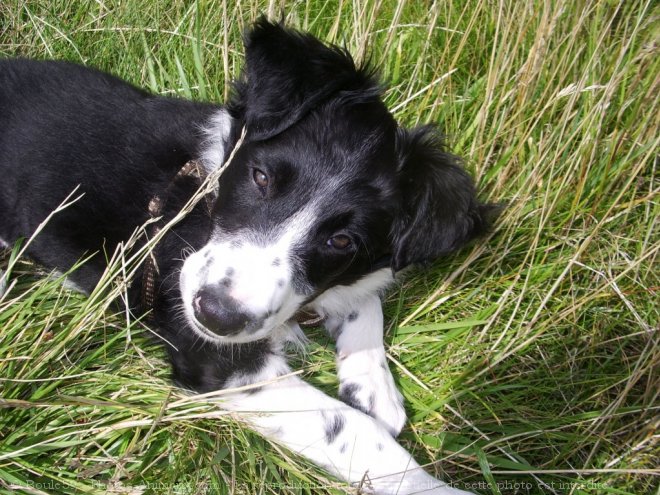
[241, 332]
[205, 332]
[249, 333]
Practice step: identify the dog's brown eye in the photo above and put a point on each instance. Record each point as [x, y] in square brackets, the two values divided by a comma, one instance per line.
[339, 241]
[260, 178]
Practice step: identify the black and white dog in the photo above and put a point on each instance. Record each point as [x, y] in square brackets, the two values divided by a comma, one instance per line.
[325, 199]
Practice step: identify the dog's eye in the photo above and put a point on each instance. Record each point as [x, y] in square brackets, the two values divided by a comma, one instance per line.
[339, 241]
[260, 178]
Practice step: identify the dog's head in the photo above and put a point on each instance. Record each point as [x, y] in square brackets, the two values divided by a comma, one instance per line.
[326, 190]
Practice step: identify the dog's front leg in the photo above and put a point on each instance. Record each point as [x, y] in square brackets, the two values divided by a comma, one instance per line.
[365, 381]
[343, 440]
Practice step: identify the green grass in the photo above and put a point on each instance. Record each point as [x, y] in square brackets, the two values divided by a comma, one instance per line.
[530, 358]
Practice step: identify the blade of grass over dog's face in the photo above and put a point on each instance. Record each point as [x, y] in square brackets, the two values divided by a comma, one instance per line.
[550, 371]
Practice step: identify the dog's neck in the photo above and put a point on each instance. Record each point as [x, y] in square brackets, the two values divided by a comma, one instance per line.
[191, 168]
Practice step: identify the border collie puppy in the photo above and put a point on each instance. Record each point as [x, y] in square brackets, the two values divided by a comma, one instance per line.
[324, 200]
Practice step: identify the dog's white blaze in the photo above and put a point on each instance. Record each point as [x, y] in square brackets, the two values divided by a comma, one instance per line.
[260, 273]
[217, 133]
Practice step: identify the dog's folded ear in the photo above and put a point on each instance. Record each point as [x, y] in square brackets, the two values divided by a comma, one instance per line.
[439, 209]
[288, 73]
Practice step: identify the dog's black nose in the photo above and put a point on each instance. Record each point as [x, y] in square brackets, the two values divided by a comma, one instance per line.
[219, 312]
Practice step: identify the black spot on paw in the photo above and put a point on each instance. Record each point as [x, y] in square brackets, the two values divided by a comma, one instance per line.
[348, 395]
[379, 446]
[347, 392]
[333, 427]
[343, 448]
[353, 316]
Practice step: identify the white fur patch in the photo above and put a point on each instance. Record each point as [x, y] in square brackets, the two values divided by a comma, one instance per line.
[216, 134]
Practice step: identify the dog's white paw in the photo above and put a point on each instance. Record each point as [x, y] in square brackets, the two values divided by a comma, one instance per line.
[365, 383]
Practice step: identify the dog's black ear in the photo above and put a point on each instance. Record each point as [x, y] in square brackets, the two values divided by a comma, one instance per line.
[287, 73]
[439, 211]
